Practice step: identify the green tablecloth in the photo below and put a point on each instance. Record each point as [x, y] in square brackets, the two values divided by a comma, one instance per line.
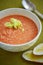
[9, 58]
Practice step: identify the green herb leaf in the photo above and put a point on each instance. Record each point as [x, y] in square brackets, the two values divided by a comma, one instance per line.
[8, 24]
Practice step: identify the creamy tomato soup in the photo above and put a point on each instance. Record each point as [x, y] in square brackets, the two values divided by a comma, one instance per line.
[16, 36]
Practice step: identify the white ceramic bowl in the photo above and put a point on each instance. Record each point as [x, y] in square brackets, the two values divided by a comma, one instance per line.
[20, 47]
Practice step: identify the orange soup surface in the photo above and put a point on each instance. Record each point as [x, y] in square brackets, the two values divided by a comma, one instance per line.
[16, 36]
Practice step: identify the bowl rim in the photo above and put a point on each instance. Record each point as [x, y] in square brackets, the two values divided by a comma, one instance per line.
[30, 40]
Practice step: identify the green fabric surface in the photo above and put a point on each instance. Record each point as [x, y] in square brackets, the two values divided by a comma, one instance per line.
[12, 58]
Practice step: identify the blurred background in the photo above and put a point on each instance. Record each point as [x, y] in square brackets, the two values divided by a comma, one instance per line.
[18, 4]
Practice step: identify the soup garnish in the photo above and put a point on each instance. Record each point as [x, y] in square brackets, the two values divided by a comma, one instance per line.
[14, 23]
